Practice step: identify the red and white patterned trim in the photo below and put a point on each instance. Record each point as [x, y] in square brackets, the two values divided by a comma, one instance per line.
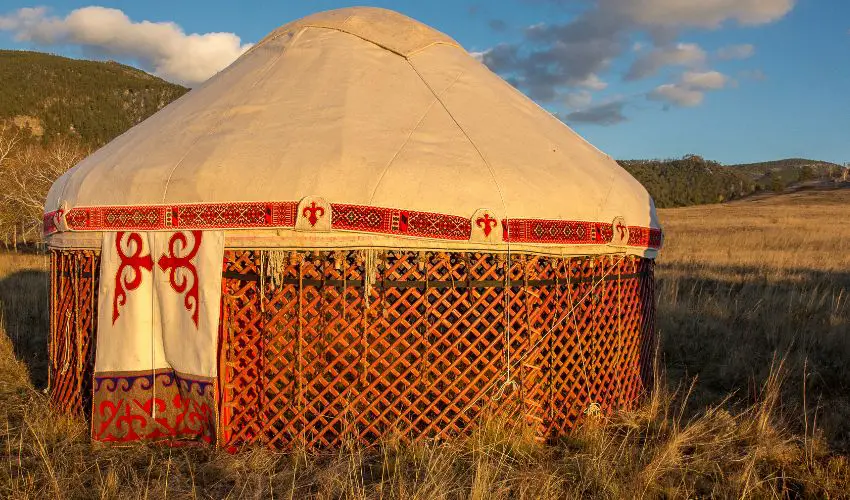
[404, 222]
[189, 216]
[557, 231]
[51, 222]
[644, 237]
[258, 215]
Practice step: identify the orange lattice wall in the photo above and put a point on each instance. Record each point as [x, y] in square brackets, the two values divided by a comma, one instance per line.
[306, 358]
[73, 323]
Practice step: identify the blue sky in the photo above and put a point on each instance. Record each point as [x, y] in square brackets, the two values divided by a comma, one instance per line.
[731, 80]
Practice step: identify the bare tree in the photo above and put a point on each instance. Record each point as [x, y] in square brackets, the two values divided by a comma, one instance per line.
[26, 173]
[10, 137]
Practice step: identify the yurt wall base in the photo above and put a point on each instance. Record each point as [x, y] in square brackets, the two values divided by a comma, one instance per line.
[324, 347]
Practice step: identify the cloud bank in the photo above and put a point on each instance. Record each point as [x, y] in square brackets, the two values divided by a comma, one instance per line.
[690, 90]
[162, 48]
[553, 60]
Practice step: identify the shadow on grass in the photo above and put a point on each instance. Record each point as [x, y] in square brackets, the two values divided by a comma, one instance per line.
[24, 311]
[729, 325]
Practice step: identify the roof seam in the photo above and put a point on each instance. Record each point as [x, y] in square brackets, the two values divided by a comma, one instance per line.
[225, 113]
[349, 32]
[465, 134]
[410, 135]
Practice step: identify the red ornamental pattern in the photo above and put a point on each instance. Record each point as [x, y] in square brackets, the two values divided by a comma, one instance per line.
[644, 237]
[129, 274]
[556, 231]
[50, 222]
[154, 407]
[486, 223]
[182, 274]
[346, 217]
[314, 213]
[401, 222]
[190, 216]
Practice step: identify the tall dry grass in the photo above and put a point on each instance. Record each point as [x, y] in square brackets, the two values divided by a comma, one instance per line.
[743, 282]
[750, 401]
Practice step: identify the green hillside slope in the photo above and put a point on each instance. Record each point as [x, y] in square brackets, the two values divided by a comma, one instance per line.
[693, 180]
[92, 101]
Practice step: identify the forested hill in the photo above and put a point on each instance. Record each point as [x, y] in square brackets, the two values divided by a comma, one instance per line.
[94, 102]
[693, 180]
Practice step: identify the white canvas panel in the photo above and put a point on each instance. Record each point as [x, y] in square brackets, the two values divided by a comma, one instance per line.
[187, 299]
[128, 338]
[158, 304]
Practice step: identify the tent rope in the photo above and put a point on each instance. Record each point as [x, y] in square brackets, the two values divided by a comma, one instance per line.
[568, 315]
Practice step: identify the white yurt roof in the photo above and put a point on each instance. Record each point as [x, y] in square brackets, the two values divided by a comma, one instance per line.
[358, 127]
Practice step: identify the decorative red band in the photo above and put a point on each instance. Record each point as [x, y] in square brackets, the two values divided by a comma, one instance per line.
[50, 219]
[644, 237]
[345, 217]
[405, 222]
[557, 231]
[194, 216]
[153, 406]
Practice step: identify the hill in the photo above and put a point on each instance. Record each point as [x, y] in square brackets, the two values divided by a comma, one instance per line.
[693, 180]
[789, 170]
[92, 101]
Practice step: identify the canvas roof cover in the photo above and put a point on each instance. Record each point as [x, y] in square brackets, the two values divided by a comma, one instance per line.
[340, 119]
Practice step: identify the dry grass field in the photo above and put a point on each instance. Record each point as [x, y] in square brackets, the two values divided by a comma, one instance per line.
[753, 396]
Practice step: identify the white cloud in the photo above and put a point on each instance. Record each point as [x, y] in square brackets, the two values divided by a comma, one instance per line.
[578, 100]
[677, 94]
[744, 51]
[161, 47]
[682, 54]
[690, 90]
[699, 13]
[554, 58]
[592, 82]
[706, 80]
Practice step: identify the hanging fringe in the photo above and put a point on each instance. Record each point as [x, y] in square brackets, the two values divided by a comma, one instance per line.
[275, 266]
[370, 267]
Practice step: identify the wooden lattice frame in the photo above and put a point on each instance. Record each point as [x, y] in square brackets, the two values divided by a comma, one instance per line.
[305, 358]
[73, 325]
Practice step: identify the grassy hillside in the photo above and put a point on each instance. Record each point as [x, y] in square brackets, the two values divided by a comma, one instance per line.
[689, 181]
[693, 180]
[761, 168]
[92, 101]
[789, 171]
[754, 328]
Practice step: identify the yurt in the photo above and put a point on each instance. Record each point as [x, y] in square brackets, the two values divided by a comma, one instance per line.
[354, 231]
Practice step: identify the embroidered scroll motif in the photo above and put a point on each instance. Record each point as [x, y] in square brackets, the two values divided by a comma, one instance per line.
[162, 405]
[644, 237]
[182, 274]
[621, 228]
[315, 213]
[129, 274]
[486, 223]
